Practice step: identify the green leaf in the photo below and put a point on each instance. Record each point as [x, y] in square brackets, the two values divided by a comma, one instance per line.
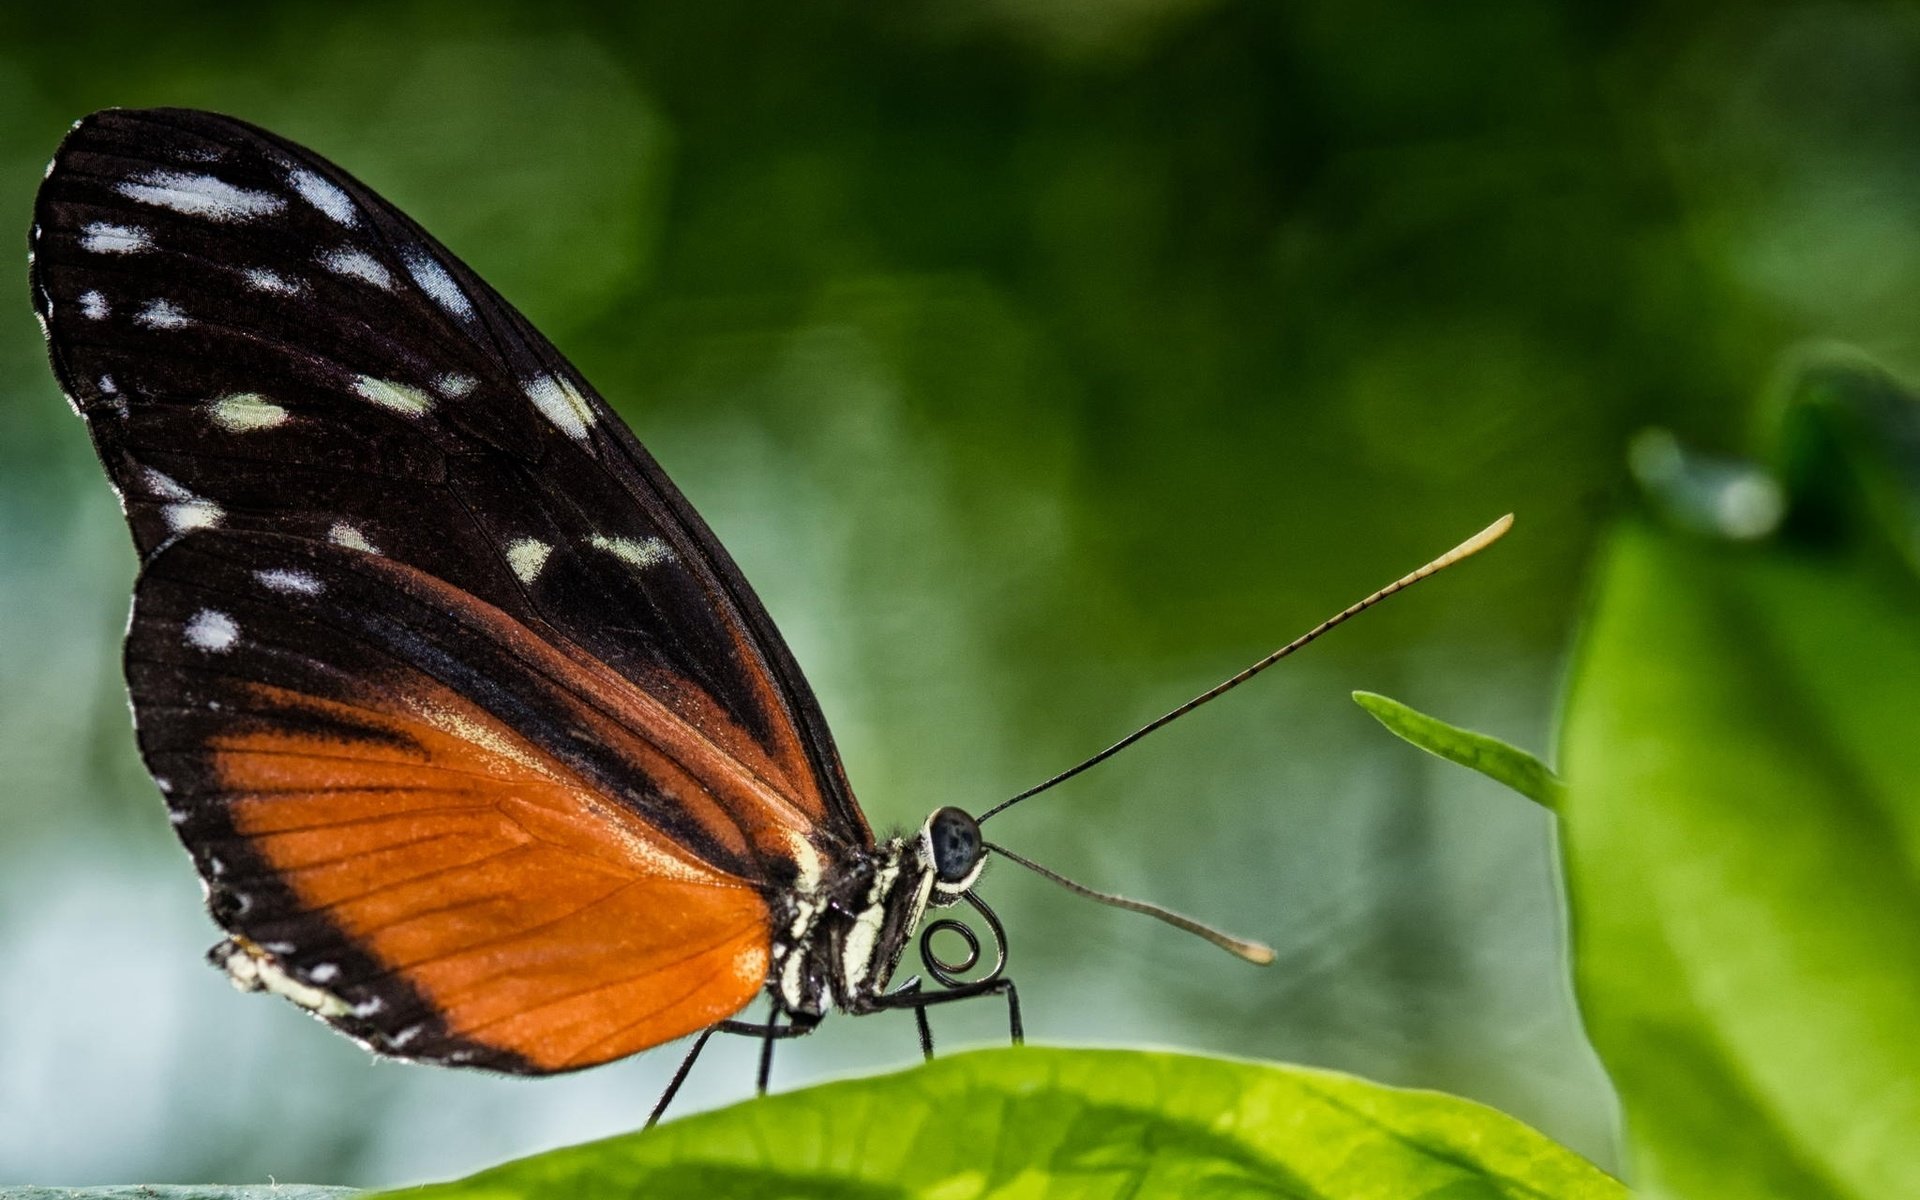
[1488, 755]
[1743, 834]
[1082, 1123]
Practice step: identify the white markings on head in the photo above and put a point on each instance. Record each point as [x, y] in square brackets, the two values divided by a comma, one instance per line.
[324, 195]
[93, 306]
[562, 404]
[435, 282]
[288, 581]
[245, 412]
[212, 630]
[357, 264]
[343, 534]
[526, 556]
[161, 314]
[103, 237]
[261, 279]
[453, 386]
[402, 398]
[184, 510]
[639, 553]
[251, 970]
[200, 196]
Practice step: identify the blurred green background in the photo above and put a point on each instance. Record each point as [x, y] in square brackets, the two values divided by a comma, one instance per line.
[1041, 361]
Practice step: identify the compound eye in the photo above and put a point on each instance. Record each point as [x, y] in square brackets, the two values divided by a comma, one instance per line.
[955, 838]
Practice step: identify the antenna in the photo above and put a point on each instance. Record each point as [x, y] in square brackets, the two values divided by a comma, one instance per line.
[1473, 545]
[1258, 953]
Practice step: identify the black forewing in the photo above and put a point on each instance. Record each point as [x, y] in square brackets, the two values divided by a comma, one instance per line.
[258, 341]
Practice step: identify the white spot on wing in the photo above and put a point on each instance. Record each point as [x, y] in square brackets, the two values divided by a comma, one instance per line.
[246, 412]
[562, 404]
[357, 264]
[288, 581]
[435, 282]
[398, 397]
[184, 510]
[454, 386]
[263, 280]
[165, 486]
[324, 195]
[103, 237]
[212, 630]
[93, 306]
[161, 314]
[252, 971]
[107, 385]
[639, 553]
[200, 196]
[343, 534]
[526, 556]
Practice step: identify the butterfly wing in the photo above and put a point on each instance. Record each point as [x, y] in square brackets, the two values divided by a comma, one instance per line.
[257, 341]
[269, 357]
[429, 825]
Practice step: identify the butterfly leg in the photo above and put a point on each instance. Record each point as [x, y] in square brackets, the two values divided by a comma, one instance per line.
[769, 1032]
[912, 988]
[920, 1001]
[680, 1076]
[766, 1053]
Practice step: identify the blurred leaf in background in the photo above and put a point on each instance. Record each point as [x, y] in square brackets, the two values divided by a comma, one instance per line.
[1745, 837]
[1743, 824]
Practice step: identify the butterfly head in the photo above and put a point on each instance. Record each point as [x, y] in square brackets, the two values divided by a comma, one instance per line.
[951, 844]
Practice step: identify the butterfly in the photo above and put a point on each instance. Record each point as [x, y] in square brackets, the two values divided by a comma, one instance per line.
[487, 754]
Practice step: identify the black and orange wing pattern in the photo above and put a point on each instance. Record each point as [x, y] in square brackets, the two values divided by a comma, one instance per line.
[484, 748]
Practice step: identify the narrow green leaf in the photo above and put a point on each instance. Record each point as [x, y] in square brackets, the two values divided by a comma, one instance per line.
[1743, 841]
[1082, 1123]
[1488, 755]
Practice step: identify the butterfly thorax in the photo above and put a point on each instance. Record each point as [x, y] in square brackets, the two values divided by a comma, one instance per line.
[842, 933]
[844, 924]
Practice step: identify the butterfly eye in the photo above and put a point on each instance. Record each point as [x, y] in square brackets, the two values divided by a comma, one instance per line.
[955, 841]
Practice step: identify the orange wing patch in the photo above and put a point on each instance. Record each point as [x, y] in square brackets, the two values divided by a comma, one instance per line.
[533, 916]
